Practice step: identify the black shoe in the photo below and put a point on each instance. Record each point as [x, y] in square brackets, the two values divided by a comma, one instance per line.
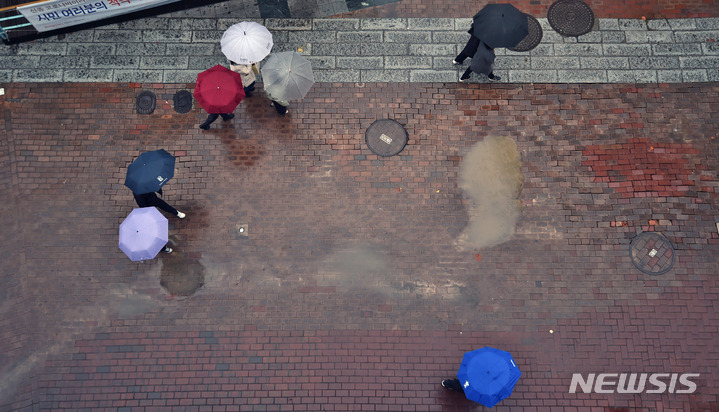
[494, 78]
[205, 126]
[167, 249]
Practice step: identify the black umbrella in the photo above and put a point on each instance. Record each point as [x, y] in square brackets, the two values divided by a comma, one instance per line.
[500, 25]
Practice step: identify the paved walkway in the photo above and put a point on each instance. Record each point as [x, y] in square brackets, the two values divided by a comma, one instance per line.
[374, 50]
[353, 290]
[356, 287]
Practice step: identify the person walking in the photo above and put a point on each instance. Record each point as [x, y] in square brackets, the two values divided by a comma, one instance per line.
[151, 199]
[469, 49]
[485, 60]
[213, 116]
[482, 62]
[279, 105]
[453, 385]
[248, 72]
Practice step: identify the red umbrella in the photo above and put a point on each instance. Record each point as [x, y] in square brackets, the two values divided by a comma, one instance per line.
[219, 90]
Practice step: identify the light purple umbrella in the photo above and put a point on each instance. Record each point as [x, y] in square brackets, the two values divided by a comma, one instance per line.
[143, 233]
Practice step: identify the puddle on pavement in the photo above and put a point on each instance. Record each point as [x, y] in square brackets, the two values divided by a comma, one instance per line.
[181, 276]
[359, 265]
[491, 175]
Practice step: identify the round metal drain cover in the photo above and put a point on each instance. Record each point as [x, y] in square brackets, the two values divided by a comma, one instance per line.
[570, 17]
[652, 253]
[386, 137]
[145, 102]
[183, 101]
[533, 38]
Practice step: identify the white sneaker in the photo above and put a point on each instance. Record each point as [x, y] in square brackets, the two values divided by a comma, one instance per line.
[181, 215]
[455, 62]
[167, 249]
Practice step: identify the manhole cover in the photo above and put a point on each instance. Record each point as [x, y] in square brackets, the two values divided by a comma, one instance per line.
[570, 17]
[652, 253]
[145, 102]
[386, 137]
[533, 38]
[183, 101]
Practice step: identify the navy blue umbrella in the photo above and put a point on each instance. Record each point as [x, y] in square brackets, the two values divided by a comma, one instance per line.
[488, 375]
[150, 171]
[501, 25]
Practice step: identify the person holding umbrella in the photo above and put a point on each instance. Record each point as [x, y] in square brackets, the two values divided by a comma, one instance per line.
[486, 376]
[218, 90]
[248, 74]
[146, 176]
[482, 62]
[143, 234]
[245, 44]
[496, 25]
[287, 76]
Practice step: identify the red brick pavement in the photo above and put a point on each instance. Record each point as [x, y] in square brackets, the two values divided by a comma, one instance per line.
[349, 293]
[621, 9]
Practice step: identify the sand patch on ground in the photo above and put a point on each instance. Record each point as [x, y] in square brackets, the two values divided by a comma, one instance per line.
[491, 175]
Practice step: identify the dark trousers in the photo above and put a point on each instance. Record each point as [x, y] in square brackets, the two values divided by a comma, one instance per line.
[468, 50]
[249, 89]
[454, 385]
[279, 108]
[469, 71]
[213, 116]
[151, 199]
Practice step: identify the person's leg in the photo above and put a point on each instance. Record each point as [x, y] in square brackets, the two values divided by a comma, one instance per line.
[162, 205]
[279, 108]
[227, 116]
[466, 74]
[143, 200]
[249, 89]
[210, 118]
[468, 50]
[453, 384]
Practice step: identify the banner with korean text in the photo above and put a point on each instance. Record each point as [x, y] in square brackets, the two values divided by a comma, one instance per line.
[57, 14]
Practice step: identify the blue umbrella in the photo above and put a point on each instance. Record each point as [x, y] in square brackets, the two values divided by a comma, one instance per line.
[150, 171]
[488, 375]
[143, 233]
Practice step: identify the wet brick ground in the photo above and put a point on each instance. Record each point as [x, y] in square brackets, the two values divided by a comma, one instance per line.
[349, 292]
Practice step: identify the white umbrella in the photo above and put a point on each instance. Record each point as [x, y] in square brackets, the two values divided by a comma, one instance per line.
[246, 43]
[287, 76]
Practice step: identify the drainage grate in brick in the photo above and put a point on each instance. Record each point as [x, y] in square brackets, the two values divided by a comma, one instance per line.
[652, 253]
[570, 17]
[183, 101]
[145, 102]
